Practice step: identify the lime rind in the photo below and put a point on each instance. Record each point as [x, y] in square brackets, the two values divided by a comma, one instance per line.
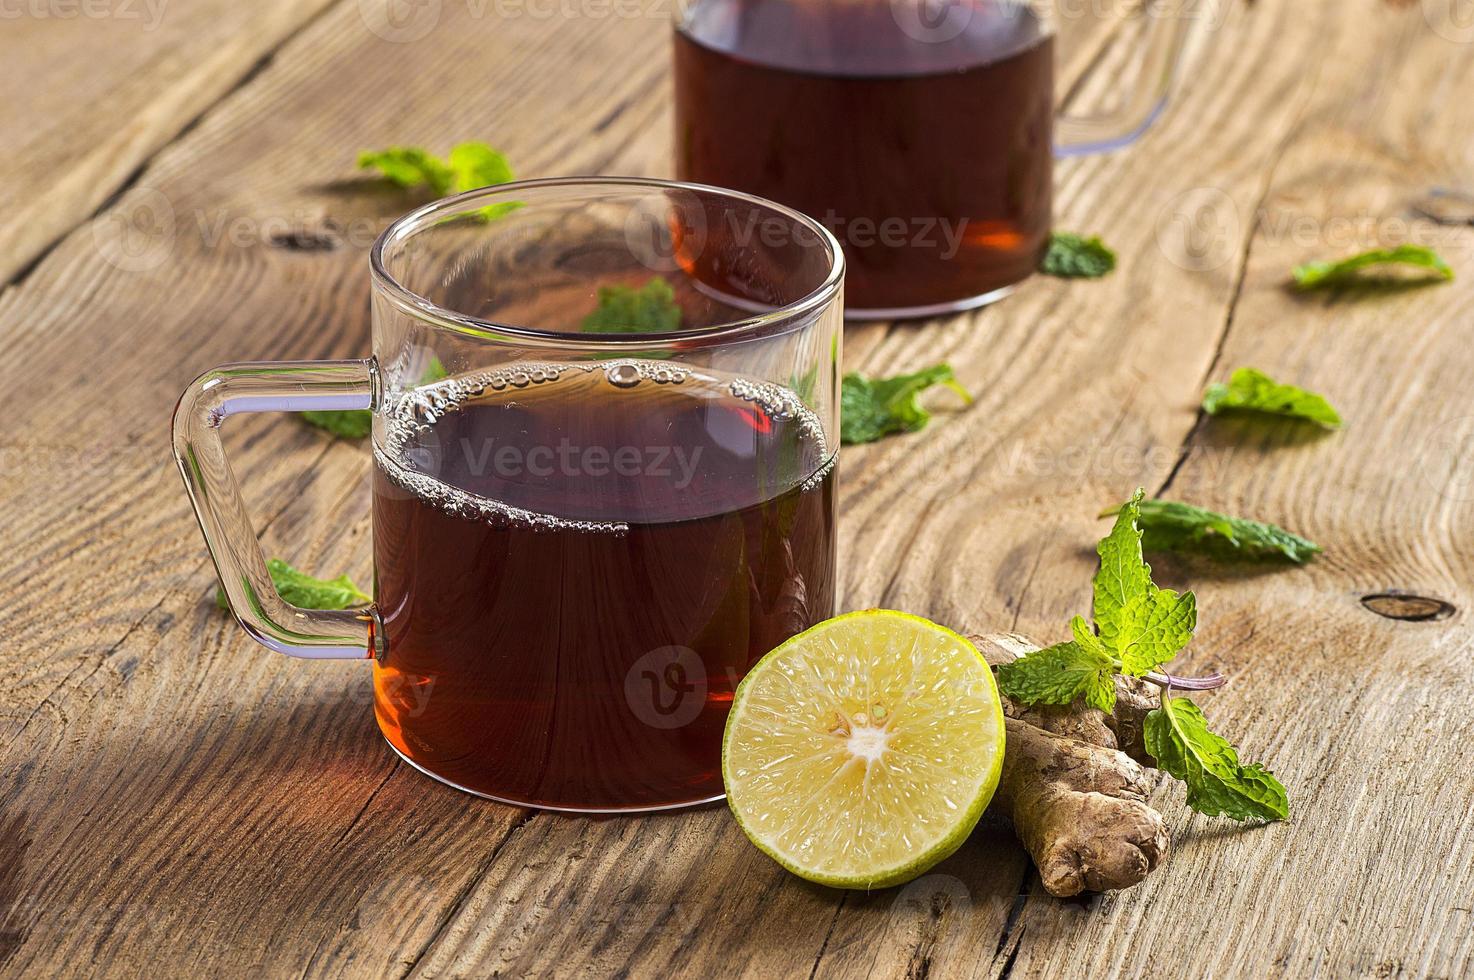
[864, 750]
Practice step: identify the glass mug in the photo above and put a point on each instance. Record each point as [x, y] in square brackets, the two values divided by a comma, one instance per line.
[921, 132]
[583, 537]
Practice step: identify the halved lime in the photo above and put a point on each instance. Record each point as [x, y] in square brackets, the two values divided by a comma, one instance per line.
[863, 751]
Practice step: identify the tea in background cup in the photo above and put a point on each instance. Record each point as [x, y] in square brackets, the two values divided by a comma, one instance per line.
[921, 132]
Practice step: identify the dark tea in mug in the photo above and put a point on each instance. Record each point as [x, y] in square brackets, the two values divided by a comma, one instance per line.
[924, 146]
[605, 417]
[587, 660]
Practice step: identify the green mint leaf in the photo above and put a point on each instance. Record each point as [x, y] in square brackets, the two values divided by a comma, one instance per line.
[1101, 691]
[1314, 275]
[1076, 257]
[803, 386]
[650, 308]
[1251, 390]
[358, 423]
[871, 408]
[306, 592]
[410, 166]
[1171, 526]
[349, 424]
[1123, 574]
[1153, 628]
[474, 165]
[1059, 675]
[1177, 736]
[469, 166]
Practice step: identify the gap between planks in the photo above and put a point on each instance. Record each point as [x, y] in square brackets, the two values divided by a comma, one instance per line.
[1241, 274]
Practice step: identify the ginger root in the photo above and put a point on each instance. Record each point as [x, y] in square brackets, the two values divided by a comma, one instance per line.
[1074, 786]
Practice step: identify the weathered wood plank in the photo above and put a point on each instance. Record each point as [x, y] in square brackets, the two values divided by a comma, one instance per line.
[1366, 718]
[175, 800]
[94, 89]
[944, 525]
[86, 695]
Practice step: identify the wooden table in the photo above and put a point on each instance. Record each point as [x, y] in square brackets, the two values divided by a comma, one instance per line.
[174, 800]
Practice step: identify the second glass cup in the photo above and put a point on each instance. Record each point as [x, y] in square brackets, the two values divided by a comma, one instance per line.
[922, 132]
[605, 424]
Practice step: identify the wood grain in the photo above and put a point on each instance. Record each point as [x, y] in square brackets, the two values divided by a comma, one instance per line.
[175, 801]
[96, 88]
[1366, 715]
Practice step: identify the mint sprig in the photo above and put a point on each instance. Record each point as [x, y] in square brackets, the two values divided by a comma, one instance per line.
[305, 592]
[1354, 269]
[1138, 628]
[871, 408]
[1140, 625]
[1251, 390]
[1072, 256]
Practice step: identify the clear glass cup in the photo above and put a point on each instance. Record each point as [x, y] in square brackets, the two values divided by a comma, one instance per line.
[922, 132]
[605, 422]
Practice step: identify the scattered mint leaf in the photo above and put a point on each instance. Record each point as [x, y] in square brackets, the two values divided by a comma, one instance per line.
[1177, 736]
[651, 308]
[409, 166]
[1073, 256]
[803, 386]
[1314, 275]
[1059, 675]
[1123, 574]
[306, 592]
[348, 424]
[1153, 628]
[469, 166]
[1251, 390]
[874, 407]
[357, 423]
[474, 165]
[1171, 526]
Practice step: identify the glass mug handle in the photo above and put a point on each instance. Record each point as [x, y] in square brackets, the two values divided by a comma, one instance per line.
[1165, 34]
[282, 386]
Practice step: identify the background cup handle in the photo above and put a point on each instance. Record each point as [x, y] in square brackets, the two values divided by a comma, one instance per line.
[1165, 33]
[283, 386]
